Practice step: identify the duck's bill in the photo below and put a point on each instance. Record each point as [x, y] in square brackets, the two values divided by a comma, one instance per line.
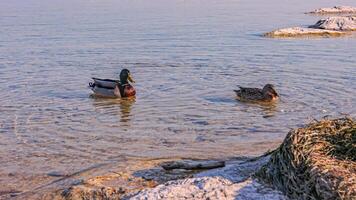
[130, 79]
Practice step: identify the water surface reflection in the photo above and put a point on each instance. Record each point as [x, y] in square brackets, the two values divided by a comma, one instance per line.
[114, 108]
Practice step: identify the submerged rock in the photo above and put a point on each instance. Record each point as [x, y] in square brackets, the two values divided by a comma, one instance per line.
[334, 10]
[339, 23]
[120, 184]
[83, 192]
[300, 31]
[192, 164]
[110, 186]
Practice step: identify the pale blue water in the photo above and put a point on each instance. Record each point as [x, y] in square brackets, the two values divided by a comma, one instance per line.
[186, 57]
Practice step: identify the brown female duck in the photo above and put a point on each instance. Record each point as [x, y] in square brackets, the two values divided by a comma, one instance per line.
[267, 94]
[114, 88]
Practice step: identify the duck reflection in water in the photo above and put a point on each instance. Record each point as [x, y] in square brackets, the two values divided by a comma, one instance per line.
[267, 109]
[125, 107]
[111, 108]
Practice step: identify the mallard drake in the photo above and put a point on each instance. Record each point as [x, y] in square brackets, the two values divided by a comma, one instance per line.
[267, 94]
[114, 88]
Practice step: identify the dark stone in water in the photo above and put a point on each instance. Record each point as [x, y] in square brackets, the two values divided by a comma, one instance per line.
[11, 174]
[56, 174]
[11, 192]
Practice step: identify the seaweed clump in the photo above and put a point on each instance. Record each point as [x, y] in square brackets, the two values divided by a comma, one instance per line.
[315, 162]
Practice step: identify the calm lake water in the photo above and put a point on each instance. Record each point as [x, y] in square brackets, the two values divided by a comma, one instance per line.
[186, 57]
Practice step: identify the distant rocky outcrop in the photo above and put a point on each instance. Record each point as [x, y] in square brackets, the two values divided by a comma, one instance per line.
[334, 10]
[337, 23]
[329, 27]
[300, 31]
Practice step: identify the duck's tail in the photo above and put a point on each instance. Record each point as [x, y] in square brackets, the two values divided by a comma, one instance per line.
[237, 91]
[91, 85]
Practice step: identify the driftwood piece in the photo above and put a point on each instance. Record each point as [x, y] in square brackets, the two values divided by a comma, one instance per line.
[192, 164]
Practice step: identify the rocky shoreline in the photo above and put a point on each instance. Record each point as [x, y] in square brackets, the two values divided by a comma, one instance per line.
[191, 180]
[334, 10]
[314, 162]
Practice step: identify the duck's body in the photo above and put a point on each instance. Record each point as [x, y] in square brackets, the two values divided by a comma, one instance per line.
[114, 88]
[267, 94]
[106, 83]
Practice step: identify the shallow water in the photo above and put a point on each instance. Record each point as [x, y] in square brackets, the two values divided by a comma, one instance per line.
[186, 57]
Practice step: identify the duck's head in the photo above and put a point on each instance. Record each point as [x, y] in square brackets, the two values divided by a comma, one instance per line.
[125, 77]
[269, 90]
